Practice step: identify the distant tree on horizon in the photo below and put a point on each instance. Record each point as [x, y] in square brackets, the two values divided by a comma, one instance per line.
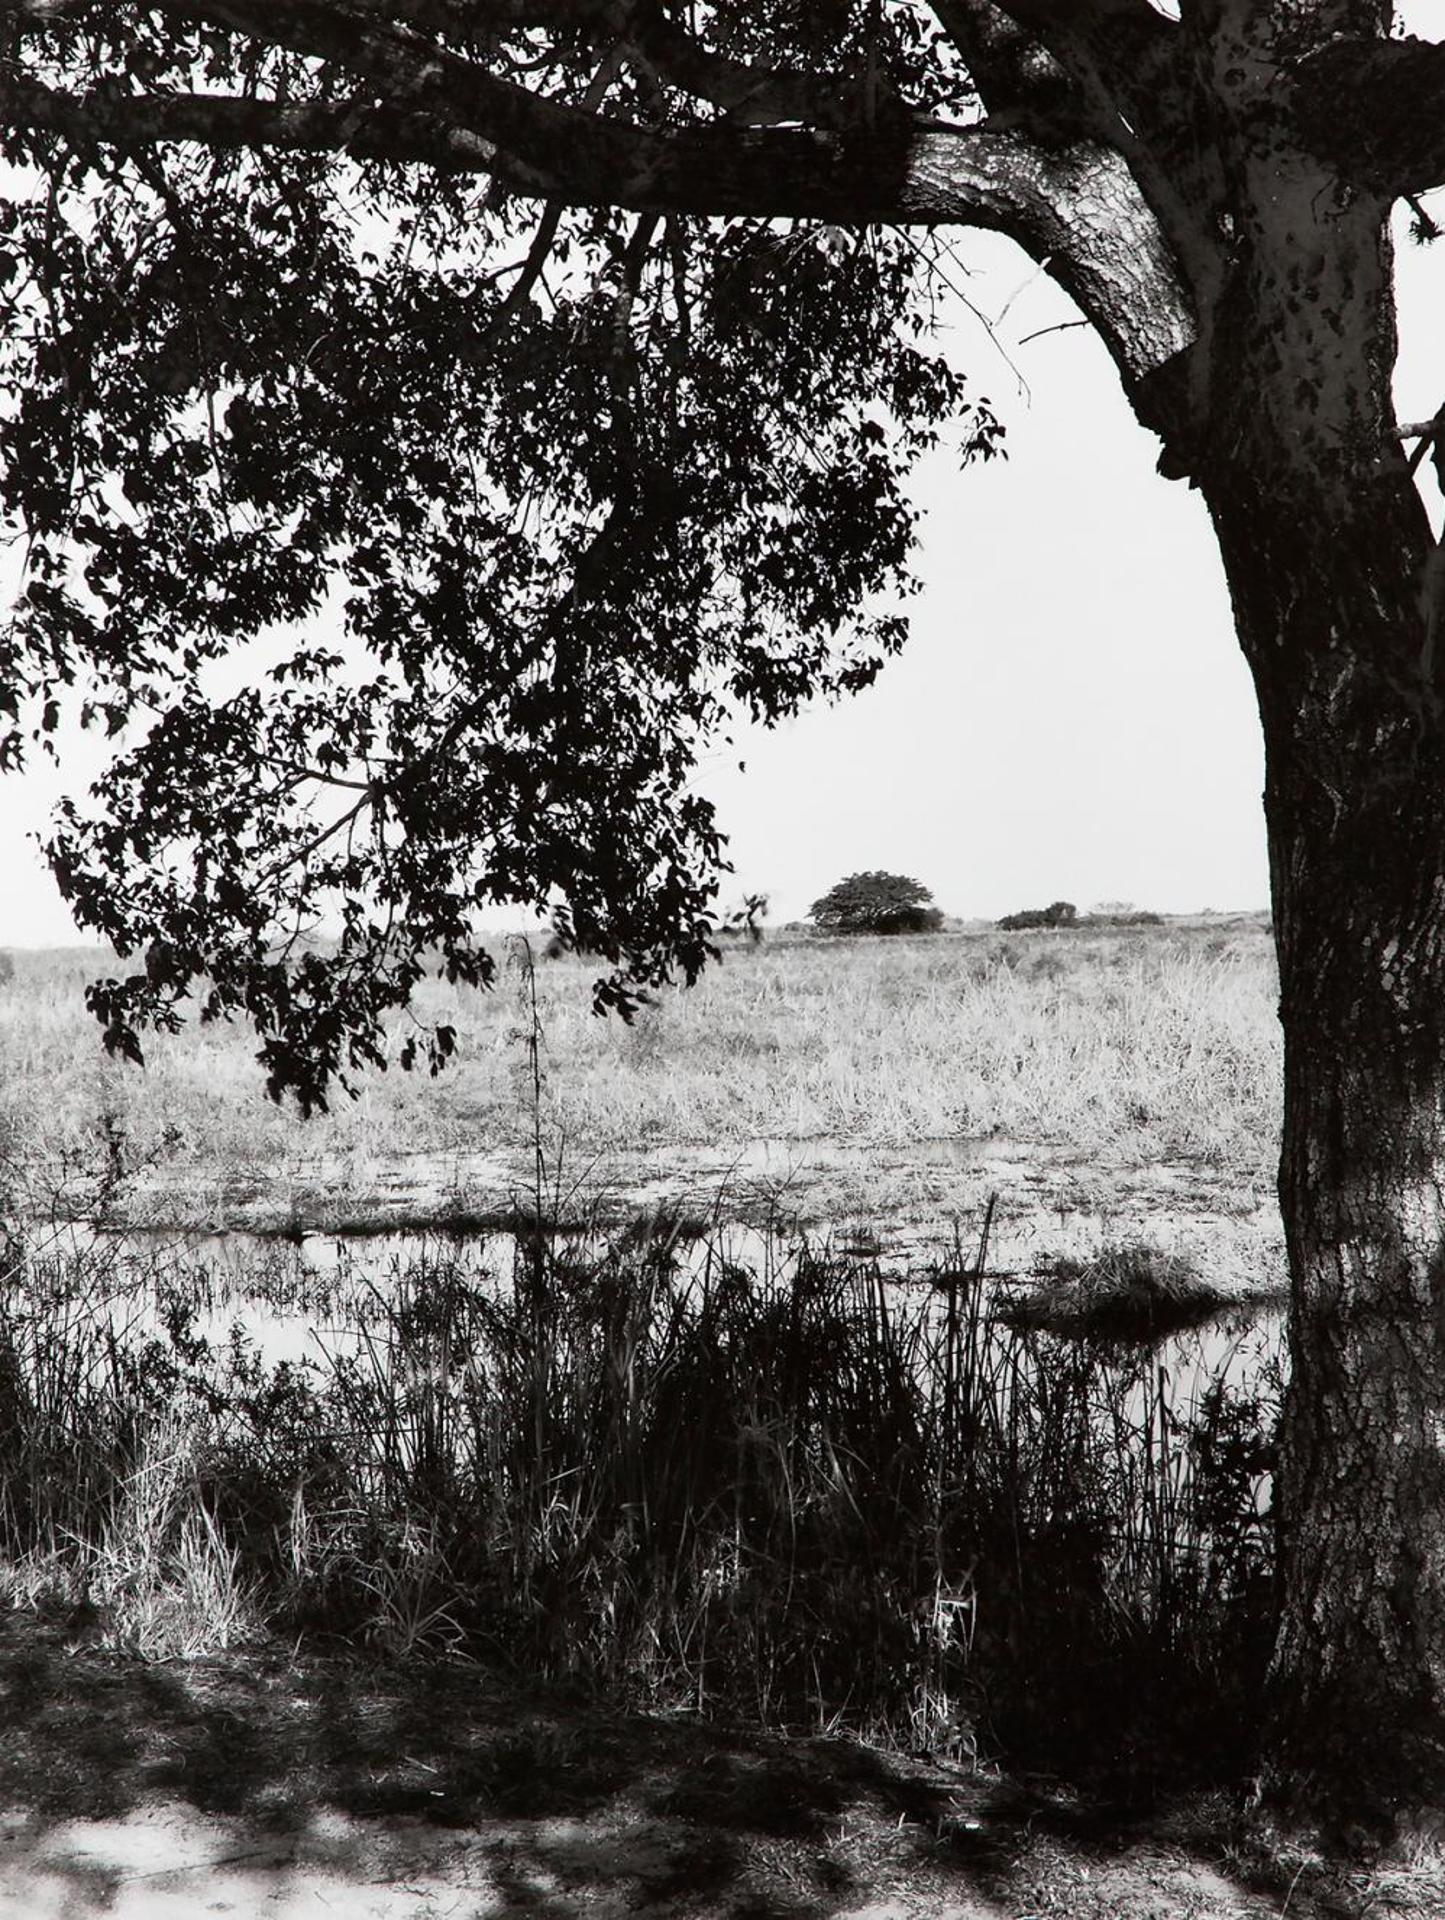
[876, 902]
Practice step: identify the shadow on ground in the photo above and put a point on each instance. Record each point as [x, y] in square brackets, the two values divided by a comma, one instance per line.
[314, 1786]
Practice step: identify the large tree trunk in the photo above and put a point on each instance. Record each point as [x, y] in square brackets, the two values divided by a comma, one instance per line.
[1329, 559]
[1356, 808]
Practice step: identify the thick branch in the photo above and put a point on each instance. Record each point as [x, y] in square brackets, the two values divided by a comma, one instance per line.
[1376, 109]
[920, 176]
[468, 19]
[543, 140]
[1084, 217]
[1105, 71]
[359, 127]
[1078, 210]
[370, 32]
[759, 94]
[756, 94]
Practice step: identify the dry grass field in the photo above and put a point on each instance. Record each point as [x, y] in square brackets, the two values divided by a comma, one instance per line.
[844, 1078]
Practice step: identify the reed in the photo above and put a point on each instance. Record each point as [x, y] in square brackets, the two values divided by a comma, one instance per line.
[805, 1498]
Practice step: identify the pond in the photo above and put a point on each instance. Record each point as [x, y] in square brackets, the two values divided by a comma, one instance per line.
[306, 1297]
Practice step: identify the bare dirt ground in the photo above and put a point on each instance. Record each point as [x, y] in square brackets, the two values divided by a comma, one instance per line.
[283, 1787]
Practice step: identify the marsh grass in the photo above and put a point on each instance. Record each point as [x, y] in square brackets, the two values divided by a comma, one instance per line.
[1134, 1292]
[810, 1500]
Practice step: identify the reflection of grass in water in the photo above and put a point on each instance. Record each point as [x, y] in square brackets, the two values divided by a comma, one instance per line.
[803, 1501]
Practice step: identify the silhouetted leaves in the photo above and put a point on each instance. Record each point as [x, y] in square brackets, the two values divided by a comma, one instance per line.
[404, 598]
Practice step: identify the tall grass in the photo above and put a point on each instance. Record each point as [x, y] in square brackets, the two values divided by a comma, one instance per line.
[809, 1500]
[1152, 1045]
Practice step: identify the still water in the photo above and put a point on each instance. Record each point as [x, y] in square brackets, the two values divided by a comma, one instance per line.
[307, 1297]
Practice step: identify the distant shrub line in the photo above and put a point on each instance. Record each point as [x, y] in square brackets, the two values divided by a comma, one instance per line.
[1063, 913]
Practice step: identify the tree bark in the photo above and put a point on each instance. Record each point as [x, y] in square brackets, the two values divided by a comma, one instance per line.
[1355, 800]
[1330, 559]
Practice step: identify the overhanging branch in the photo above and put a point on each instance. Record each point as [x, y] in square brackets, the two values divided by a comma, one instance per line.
[920, 175]
[542, 144]
[758, 94]
[1074, 206]
[1376, 110]
[360, 127]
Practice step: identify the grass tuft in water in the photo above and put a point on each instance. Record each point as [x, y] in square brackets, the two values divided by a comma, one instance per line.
[1134, 1292]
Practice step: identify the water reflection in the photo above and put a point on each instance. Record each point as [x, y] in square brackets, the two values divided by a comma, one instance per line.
[308, 1296]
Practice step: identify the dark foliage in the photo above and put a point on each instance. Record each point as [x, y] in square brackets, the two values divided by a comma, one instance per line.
[407, 555]
[1061, 913]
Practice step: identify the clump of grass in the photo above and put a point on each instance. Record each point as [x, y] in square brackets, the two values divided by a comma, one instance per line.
[806, 1499]
[1134, 1292]
[162, 1579]
[102, 1513]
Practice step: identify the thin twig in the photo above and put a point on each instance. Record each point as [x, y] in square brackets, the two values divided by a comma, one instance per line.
[1059, 326]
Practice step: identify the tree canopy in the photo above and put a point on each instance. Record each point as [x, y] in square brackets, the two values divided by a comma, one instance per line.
[408, 547]
[548, 374]
[876, 902]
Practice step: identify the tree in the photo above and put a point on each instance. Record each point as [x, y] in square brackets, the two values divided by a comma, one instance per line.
[574, 341]
[876, 903]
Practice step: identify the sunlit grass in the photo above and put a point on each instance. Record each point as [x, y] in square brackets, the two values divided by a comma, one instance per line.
[1145, 1045]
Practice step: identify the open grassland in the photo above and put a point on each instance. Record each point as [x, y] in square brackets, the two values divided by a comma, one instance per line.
[1141, 1046]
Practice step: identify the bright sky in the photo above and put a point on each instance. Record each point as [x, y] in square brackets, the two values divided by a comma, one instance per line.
[1071, 719]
